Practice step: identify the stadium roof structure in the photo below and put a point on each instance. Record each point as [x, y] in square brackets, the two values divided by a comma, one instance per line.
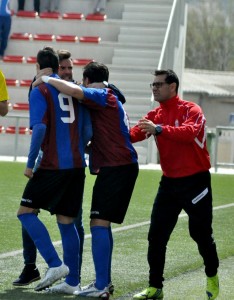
[212, 83]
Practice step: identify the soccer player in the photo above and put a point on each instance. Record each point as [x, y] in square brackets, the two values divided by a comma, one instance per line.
[30, 272]
[179, 130]
[58, 123]
[3, 96]
[113, 159]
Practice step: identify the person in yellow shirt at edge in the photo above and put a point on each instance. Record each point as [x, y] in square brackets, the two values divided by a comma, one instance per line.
[4, 97]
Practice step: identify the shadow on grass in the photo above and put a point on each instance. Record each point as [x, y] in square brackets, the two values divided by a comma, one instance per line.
[30, 294]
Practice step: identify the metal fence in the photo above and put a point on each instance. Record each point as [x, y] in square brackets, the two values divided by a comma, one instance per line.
[224, 147]
[220, 143]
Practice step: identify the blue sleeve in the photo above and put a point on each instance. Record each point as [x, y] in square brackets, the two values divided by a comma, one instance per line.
[38, 135]
[99, 96]
[38, 107]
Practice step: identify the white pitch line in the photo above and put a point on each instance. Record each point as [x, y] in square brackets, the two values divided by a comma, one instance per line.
[88, 236]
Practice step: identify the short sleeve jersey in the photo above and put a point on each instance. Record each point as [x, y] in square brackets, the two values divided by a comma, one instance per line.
[3, 88]
[63, 144]
[111, 145]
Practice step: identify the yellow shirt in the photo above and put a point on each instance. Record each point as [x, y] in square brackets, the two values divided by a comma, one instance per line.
[3, 88]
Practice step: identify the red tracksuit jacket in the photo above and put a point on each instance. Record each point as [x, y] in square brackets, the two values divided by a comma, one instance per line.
[182, 143]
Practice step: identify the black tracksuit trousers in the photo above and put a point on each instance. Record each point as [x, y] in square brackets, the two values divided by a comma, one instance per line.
[193, 194]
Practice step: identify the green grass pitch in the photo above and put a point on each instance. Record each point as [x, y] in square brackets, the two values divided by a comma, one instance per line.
[184, 274]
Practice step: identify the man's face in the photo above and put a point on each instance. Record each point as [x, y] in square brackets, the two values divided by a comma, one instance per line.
[162, 91]
[65, 70]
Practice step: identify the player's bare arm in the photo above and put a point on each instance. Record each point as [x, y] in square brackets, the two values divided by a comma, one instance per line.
[63, 86]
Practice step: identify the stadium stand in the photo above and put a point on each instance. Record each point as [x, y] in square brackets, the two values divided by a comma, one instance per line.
[129, 39]
[27, 14]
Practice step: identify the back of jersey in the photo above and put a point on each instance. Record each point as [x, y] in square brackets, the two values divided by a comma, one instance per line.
[62, 147]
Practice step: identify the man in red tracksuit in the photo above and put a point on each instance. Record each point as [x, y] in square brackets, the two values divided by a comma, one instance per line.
[179, 130]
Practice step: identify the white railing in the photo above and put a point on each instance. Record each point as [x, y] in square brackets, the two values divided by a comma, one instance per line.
[14, 151]
[172, 55]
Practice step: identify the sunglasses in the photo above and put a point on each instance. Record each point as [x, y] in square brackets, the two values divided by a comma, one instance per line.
[157, 84]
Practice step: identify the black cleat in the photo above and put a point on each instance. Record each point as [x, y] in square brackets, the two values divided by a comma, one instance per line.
[29, 274]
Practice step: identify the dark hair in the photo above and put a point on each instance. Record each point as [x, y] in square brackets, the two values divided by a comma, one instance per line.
[48, 58]
[96, 72]
[63, 54]
[171, 77]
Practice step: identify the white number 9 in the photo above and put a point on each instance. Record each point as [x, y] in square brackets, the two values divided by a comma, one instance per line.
[67, 107]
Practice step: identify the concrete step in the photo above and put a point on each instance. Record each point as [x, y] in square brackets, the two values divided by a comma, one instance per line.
[102, 52]
[136, 110]
[128, 92]
[114, 8]
[155, 40]
[145, 16]
[108, 31]
[141, 35]
[142, 8]
[135, 100]
[136, 53]
[136, 30]
[135, 77]
[132, 61]
[136, 85]
[130, 73]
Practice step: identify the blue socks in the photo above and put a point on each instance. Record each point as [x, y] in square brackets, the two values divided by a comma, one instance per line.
[101, 249]
[71, 247]
[40, 236]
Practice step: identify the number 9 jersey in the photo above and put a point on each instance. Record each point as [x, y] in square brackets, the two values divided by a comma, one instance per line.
[67, 127]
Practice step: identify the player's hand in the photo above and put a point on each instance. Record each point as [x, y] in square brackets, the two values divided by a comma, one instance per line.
[28, 172]
[37, 82]
[45, 71]
[40, 73]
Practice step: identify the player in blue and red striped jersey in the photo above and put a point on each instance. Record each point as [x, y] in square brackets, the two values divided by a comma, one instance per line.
[61, 128]
[113, 159]
[30, 272]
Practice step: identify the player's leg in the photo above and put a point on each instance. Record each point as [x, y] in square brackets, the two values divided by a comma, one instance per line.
[30, 271]
[199, 210]
[39, 234]
[166, 209]
[71, 245]
[66, 211]
[80, 229]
